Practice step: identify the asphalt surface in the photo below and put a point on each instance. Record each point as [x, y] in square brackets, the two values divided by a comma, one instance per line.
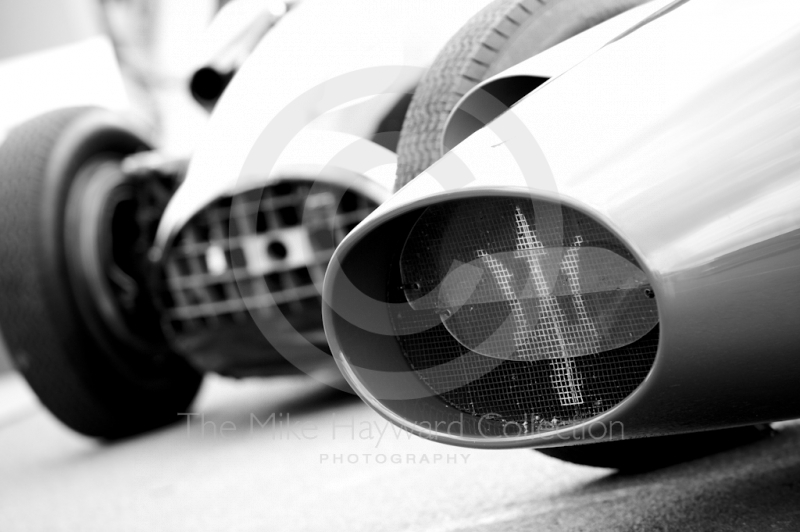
[318, 473]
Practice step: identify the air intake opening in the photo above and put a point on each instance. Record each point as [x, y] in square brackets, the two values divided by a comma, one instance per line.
[515, 317]
[555, 305]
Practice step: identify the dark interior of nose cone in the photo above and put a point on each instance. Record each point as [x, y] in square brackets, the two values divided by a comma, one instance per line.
[484, 105]
[377, 360]
[561, 325]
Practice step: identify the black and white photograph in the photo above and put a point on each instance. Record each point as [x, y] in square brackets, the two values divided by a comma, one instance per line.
[399, 265]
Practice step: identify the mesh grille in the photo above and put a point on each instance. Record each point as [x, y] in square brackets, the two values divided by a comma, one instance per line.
[264, 251]
[576, 346]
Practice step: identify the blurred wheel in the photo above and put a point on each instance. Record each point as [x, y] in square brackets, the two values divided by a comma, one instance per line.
[61, 195]
[501, 35]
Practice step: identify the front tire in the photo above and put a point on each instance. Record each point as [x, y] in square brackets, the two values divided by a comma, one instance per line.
[501, 35]
[90, 379]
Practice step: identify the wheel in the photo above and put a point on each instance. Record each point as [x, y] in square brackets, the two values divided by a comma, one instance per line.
[501, 35]
[61, 197]
[646, 454]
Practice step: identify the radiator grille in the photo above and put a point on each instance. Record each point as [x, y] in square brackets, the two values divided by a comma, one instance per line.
[261, 251]
[566, 355]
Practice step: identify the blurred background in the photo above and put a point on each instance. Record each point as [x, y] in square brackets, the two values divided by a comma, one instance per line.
[134, 56]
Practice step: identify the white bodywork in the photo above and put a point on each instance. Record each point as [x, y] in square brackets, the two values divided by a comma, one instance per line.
[549, 64]
[317, 41]
[686, 147]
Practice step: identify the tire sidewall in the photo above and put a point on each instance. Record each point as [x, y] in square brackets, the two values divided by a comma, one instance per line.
[92, 381]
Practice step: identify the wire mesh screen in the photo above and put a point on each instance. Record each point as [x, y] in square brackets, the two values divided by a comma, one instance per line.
[261, 251]
[524, 311]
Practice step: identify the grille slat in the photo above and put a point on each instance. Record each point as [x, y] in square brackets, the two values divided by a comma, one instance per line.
[259, 251]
